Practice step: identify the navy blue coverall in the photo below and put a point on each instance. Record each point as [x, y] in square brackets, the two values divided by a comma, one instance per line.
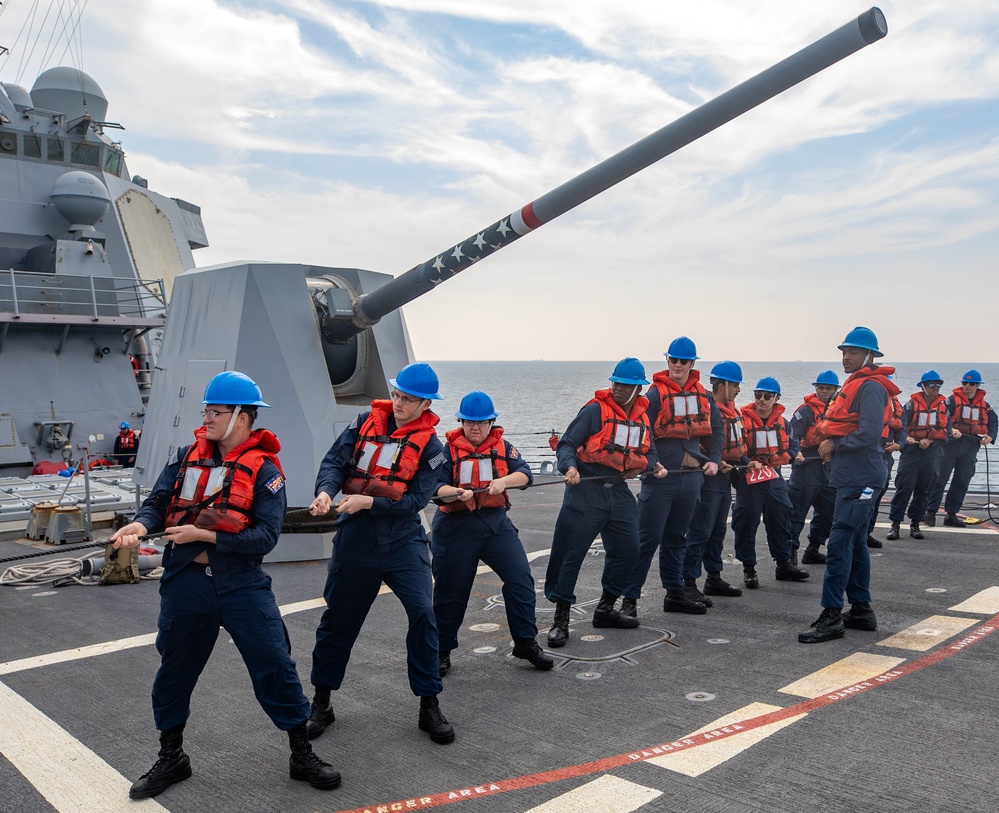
[917, 472]
[960, 457]
[808, 486]
[461, 539]
[385, 543]
[232, 592]
[605, 507]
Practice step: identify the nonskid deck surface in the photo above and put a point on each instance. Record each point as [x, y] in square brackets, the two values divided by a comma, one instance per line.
[720, 712]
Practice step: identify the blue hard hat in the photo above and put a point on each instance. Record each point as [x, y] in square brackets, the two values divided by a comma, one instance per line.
[827, 377]
[418, 379]
[233, 389]
[864, 338]
[971, 377]
[767, 384]
[930, 375]
[727, 371]
[682, 348]
[629, 371]
[124, 425]
[476, 406]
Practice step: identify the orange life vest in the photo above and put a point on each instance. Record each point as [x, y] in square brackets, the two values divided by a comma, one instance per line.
[219, 496]
[623, 440]
[126, 441]
[840, 418]
[735, 439]
[477, 467]
[384, 464]
[970, 417]
[895, 421]
[811, 439]
[684, 412]
[767, 440]
[928, 420]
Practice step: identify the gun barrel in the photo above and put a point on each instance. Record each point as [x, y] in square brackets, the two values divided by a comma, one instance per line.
[868, 28]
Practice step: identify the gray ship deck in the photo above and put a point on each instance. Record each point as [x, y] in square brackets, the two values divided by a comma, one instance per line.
[721, 712]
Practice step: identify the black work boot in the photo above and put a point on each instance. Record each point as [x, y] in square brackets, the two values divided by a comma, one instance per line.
[715, 585]
[813, 555]
[953, 520]
[433, 722]
[559, 633]
[321, 714]
[443, 663]
[749, 577]
[629, 607]
[860, 617]
[788, 571]
[606, 616]
[691, 591]
[172, 766]
[304, 765]
[930, 519]
[914, 531]
[893, 532]
[828, 626]
[873, 543]
[677, 601]
[529, 650]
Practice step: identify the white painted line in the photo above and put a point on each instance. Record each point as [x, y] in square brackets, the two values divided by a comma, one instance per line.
[695, 761]
[985, 602]
[927, 634]
[77, 654]
[855, 668]
[608, 794]
[71, 777]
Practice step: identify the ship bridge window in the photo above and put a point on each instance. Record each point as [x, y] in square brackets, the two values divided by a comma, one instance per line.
[56, 151]
[113, 163]
[89, 155]
[32, 146]
[8, 144]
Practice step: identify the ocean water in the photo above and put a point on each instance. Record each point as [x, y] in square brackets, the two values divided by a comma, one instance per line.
[535, 397]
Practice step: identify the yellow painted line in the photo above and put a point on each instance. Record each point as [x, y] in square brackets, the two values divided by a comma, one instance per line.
[78, 653]
[985, 602]
[855, 668]
[927, 634]
[695, 761]
[608, 794]
[71, 777]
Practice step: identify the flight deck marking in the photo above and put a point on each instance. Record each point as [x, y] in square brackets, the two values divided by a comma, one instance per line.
[63, 770]
[855, 668]
[694, 740]
[925, 635]
[601, 796]
[985, 602]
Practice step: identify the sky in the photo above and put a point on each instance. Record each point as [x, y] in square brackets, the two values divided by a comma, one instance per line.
[378, 133]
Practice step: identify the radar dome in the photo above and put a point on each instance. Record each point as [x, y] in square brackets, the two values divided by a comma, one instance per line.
[80, 198]
[18, 96]
[69, 91]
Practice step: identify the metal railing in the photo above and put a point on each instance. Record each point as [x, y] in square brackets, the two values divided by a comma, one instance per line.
[26, 292]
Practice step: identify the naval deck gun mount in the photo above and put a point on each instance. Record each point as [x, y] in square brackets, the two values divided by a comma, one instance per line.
[282, 324]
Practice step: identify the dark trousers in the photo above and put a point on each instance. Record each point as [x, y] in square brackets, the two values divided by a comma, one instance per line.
[917, 471]
[961, 458]
[848, 562]
[808, 487]
[357, 569]
[458, 547]
[588, 509]
[876, 509]
[706, 534]
[665, 507]
[770, 501]
[191, 614]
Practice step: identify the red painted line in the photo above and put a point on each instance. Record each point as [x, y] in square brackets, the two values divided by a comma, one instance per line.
[686, 743]
[529, 218]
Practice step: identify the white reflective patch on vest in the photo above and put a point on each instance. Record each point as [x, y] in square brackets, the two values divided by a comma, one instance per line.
[214, 484]
[485, 470]
[684, 405]
[190, 486]
[465, 473]
[387, 454]
[927, 419]
[367, 453]
[766, 438]
[969, 413]
[634, 437]
[734, 432]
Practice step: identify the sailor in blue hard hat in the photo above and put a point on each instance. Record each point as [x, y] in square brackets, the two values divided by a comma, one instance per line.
[925, 429]
[852, 433]
[974, 425]
[808, 486]
[386, 464]
[607, 442]
[479, 468]
[126, 445]
[688, 435]
[222, 502]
